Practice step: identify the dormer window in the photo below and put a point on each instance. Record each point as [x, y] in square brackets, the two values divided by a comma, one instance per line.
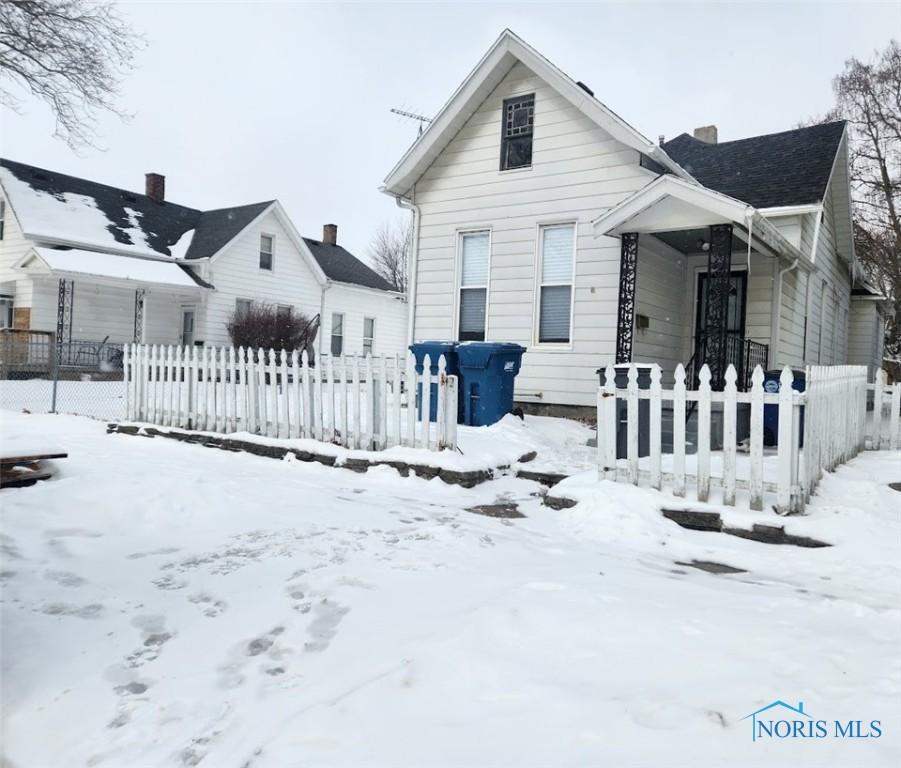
[516, 133]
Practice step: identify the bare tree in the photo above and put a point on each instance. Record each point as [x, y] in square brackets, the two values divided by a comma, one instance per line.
[390, 252]
[868, 96]
[72, 54]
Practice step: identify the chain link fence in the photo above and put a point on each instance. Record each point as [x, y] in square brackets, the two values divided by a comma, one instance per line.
[78, 377]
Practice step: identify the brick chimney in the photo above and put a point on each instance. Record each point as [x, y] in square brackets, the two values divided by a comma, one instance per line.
[330, 234]
[155, 186]
[707, 134]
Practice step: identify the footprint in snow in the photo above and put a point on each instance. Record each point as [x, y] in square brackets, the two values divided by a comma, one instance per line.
[210, 606]
[325, 626]
[65, 578]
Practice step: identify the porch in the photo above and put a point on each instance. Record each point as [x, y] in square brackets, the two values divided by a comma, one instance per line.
[699, 282]
[96, 302]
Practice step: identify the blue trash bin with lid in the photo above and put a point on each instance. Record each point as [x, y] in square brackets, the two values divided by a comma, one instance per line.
[434, 349]
[487, 370]
[771, 410]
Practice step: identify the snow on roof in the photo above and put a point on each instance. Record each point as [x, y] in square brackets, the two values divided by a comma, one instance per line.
[71, 217]
[115, 266]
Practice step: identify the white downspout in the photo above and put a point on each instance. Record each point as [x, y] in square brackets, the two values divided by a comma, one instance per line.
[774, 347]
[410, 205]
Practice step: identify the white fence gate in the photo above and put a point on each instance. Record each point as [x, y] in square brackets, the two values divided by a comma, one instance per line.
[361, 403]
[834, 428]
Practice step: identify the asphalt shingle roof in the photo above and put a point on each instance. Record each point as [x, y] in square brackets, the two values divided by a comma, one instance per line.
[161, 224]
[788, 168]
[341, 265]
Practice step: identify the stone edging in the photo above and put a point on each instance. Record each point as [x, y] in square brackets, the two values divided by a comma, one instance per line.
[465, 478]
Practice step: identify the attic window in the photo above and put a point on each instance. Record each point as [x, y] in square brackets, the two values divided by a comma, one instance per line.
[266, 242]
[516, 132]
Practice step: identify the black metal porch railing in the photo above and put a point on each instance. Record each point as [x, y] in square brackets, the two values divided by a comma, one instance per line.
[742, 353]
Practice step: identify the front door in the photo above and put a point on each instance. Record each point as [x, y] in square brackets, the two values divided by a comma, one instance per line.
[187, 327]
[735, 316]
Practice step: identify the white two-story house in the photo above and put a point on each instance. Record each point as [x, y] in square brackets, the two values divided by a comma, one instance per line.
[542, 217]
[101, 266]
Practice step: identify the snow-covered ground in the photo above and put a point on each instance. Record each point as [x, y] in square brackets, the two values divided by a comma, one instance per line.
[166, 604]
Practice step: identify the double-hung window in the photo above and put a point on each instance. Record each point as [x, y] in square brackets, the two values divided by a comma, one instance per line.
[242, 306]
[337, 333]
[518, 122]
[6, 311]
[267, 243]
[474, 247]
[557, 256]
[368, 335]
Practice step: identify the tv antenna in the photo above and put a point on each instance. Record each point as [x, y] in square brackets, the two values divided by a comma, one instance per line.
[412, 116]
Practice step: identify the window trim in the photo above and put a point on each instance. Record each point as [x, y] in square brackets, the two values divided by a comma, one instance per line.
[10, 319]
[271, 253]
[331, 333]
[539, 262]
[458, 276]
[505, 138]
[238, 300]
[371, 338]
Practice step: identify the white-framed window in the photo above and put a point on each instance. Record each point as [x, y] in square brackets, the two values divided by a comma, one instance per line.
[242, 306]
[556, 257]
[6, 311]
[284, 310]
[2, 218]
[368, 335]
[337, 333]
[474, 267]
[187, 326]
[267, 248]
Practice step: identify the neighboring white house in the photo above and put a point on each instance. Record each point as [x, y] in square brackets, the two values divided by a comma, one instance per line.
[93, 262]
[541, 217]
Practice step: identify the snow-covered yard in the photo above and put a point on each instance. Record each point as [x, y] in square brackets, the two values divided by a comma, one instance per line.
[165, 604]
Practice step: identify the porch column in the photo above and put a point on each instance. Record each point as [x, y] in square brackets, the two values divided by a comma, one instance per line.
[139, 316]
[719, 270]
[65, 302]
[628, 271]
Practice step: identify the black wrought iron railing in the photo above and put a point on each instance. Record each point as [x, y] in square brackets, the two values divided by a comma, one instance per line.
[742, 353]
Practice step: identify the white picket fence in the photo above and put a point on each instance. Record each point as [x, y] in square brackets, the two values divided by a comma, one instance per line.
[362, 403]
[835, 428]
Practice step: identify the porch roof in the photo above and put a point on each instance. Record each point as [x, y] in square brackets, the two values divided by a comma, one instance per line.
[670, 204]
[108, 268]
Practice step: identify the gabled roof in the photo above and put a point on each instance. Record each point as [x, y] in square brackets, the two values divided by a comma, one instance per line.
[778, 169]
[56, 207]
[343, 267]
[215, 229]
[489, 72]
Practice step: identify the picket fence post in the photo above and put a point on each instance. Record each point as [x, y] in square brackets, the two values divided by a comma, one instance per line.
[679, 431]
[655, 410]
[703, 411]
[755, 475]
[785, 450]
[632, 423]
[607, 425]
[425, 402]
[730, 404]
[410, 381]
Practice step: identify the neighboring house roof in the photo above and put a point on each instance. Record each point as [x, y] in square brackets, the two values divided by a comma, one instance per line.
[58, 207]
[342, 266]
[215, 229]
[142, 271]
[778, 169]
[487, 75]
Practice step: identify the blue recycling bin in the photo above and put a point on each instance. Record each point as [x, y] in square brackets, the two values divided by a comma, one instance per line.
[487, 371]
[771, 410]
[434, 349]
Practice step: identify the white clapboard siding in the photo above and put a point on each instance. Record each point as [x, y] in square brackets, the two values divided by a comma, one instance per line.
[367, 403]
[830, 432]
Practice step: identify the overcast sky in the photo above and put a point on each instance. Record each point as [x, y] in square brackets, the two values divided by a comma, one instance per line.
[241, 102]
